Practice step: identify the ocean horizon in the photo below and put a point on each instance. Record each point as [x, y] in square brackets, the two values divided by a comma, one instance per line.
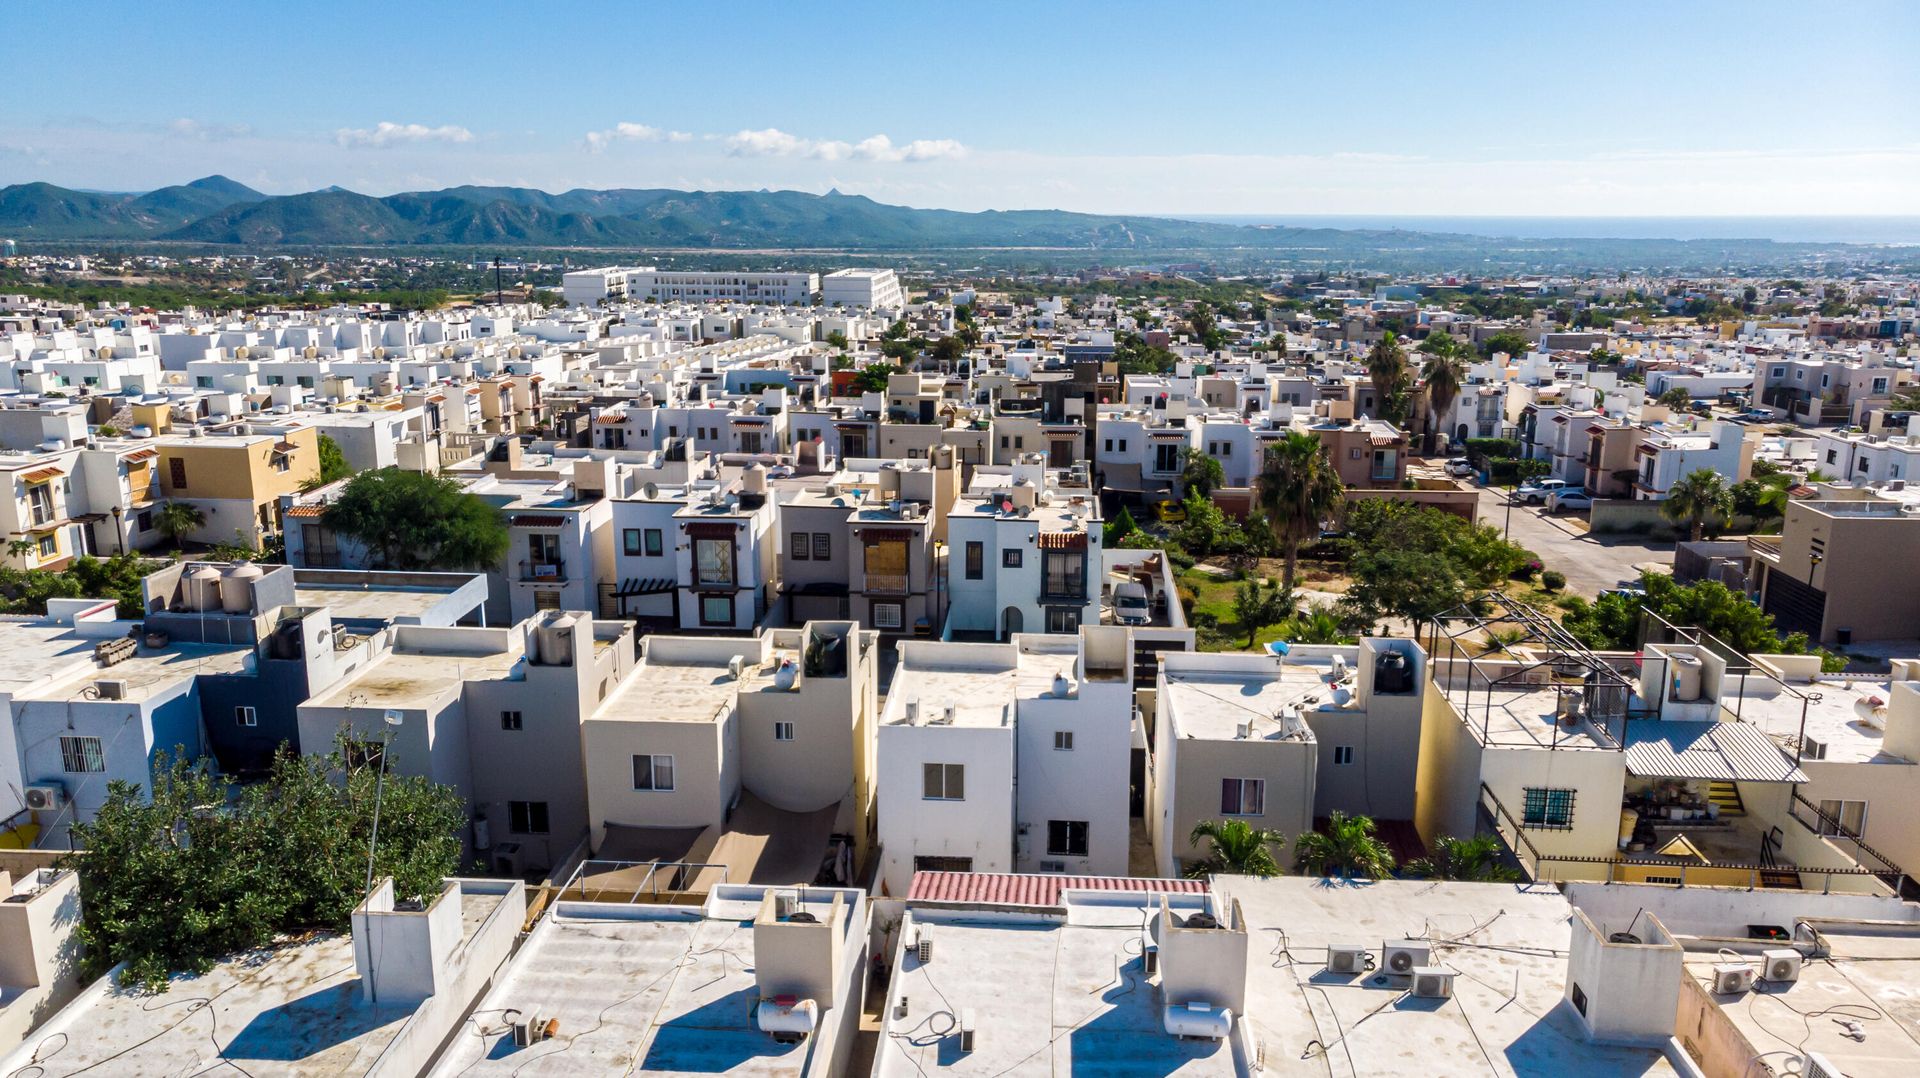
[1784, 229]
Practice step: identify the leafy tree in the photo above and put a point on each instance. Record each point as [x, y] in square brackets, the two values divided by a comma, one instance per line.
[1471, 860]
[199, 870]
[176, 519]
[838, 340]
[1236, 847]
[333, 465]
[1201, 473]
[1134, 355]
[900, 351]
[21, 547]
[948, 349]
[896, 332]
[1676, 398]
[1697, 500]
[1759, 499]
[1206, 529]
[1347, 848]
[1257, 605]
[1296, 490]
[1417, 562]
[1205, 324]
[1512, 343]
[412, 520]
[1278, 346]
[1387, 369]
[1119, 528]
[872, 378]
[1613, 622]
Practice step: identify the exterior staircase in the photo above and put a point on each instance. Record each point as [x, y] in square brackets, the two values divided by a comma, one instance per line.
[1727, 796]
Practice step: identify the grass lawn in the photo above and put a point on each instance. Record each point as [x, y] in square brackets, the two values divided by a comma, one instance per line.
[1213, 594]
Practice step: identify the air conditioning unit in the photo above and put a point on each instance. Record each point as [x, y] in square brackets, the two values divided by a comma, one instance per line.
[1348, 958]
[784, 904]
[1780, 965]
[46, 797]
[111, 688]
[534, 1030]
[1402, 957]
[923, 948]
[1433, 982]
[1812, 750]
[1732, 978]
[1815, 1065]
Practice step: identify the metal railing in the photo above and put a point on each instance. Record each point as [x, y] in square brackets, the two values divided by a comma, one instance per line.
[603, 881]
[554, 570]
[1889, 872]
[888, 583]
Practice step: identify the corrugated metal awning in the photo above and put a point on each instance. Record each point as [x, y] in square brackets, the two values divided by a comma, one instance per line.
[710, 531]
[41, 475]
[887, 535]
[1041, 889]
[1715, 751]
[285, 447]
[531, 520]
[139, 455]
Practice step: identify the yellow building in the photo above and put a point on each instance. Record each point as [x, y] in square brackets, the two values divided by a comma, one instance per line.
[236, 478]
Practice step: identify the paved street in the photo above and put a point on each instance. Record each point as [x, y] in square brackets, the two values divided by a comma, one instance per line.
[1592, 564]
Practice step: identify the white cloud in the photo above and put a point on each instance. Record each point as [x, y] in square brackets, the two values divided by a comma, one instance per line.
[187, 127]
[632, 132]
[389, 134]
[773, 142]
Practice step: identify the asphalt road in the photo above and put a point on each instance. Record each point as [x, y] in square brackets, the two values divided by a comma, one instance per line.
[1592, 563]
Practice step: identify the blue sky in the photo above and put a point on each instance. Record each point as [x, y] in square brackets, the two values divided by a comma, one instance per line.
[1417, 108]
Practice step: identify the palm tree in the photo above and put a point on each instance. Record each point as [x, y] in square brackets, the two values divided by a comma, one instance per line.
[1297, 490]
[1698, 499]
[1346, 848]
[1445, 371]
[1237, 847]
[1318, 625]
[1387, 368]
[1471, 860]
[176, 519]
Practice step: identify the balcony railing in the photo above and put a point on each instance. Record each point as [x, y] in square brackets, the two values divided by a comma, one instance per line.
[888, 583]
[1767, 546]
[554, 569]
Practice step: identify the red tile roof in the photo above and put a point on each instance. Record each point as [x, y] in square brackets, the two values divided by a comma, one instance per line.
[1063, 540]
[41, 475]
[1041, 889]
[304, 511]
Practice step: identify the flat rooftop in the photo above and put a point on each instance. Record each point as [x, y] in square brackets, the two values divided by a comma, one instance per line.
[1210, 704]
[408, 679]
[1508, 944]
[352, 602]
[637, 990]
[148, 672]
[1835, 720]
[981, 682]
[1868, 978]
[1522, 717]
[39, 650]
[291, 1010]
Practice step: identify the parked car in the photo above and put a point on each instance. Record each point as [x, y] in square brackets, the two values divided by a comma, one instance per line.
[1569, 498]
[1170, 512]
[1130, 606]
[1538, 491]
[1459, 467]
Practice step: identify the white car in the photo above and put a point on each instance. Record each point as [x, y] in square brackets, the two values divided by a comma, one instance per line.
[1570, 498]
[1459, 467]
[1537, 493]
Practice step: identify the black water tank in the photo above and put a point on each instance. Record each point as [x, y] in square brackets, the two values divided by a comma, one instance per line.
[1392, 674]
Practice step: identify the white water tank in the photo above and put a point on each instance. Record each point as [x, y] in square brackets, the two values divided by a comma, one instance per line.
[203, 589]
[553, 642]
[1686, 676]
[236, 588]
[754, 480]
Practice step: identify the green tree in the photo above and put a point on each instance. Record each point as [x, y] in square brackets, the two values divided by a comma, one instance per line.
[1387, 370]
[1445, 371]
[1119, 528]
[948, 349]
[1201, 474]
[1513, 343]
[1236, 847]
[198, 870]
[1318, 624]
[872, 378]
[1676, 398]
[1759, 498]
[1206, 528]
[333, 465]
[1347, 848]
[1470, 860]
[1697, 500]
[1296, 491]
[1205, 324]
[412, 520]
[838, 340]
[1257, 605]
[176, 519]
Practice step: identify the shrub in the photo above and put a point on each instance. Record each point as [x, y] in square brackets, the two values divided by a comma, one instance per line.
[1553, 580]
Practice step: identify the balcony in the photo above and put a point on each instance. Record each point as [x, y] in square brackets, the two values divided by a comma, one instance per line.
[1765, 546]
[888, 584]
[548, 570]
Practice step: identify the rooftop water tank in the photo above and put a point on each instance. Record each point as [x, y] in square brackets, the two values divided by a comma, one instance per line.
[1686, 677]
[553, 642]
[236, 588]
[203, 589]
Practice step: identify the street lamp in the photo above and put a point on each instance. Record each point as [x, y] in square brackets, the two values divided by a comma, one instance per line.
[119, 537]
[392, 718]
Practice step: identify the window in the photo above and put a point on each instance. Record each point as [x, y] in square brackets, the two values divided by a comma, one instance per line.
[630, 541]
[713, 561]
[1779, 372]
[1166, 458]
[319, 546]
[943, 782]
[1063, 741]
[82, 756]
[1109, 445]
[1243, 797]
[40, 502]
[716, 610]
[1546, 809]
[943, 864]
[654, 546]
[653, 773]
[1123, 445]
[546, 600]
[1063, 619]
[976, 560]
[245, 716]
[783, 731]
[1342, 755]
[822, 546]
[888, 615]
[1064, 574]
[886, 566]
[1833, 456]
[1012, 559]
[802, 546]
[49, 545]
[527, 817]
[510, 720]
[1067, 838]
[177, 473]
[1847, 818]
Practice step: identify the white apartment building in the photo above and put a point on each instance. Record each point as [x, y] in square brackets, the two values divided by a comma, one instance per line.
[1026, 554]
[616, 284]
[1007, 757]
[869, 288]
[1868, 458]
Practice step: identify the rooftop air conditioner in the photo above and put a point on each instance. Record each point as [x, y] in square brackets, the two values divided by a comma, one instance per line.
[1432, 982]
[46, 797]
[1732, 978]
[111, 688]
[1812, 750]
[923, 948]
[1782, 965]
[534, 1030]
[1402, 957]
[1815, 1065]
[1349, 958]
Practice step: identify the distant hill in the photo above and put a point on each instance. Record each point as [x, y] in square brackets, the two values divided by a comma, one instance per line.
[217, 210]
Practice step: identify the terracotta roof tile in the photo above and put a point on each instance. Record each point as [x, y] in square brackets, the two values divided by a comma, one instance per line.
[1042, 889]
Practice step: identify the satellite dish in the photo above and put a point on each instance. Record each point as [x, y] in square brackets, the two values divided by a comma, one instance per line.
[650, 491]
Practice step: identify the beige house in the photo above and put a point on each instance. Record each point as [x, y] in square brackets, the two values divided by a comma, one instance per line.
[1839, 570]
[237, 476]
